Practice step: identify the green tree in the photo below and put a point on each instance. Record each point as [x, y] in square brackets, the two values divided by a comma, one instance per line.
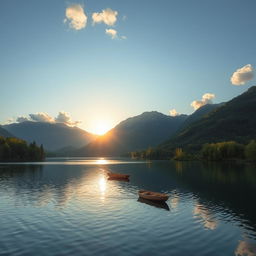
[250, 151]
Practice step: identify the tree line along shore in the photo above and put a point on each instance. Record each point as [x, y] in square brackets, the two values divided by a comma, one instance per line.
[15, 150]
[220, 151]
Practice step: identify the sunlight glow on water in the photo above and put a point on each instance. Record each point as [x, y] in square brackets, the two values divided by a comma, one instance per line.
[73, 209]
[102, 186]
[102, 161]
[79, 161]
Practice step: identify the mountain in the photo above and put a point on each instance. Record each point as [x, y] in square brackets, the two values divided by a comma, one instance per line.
[234, 120]
[53, 136]
[5, 133]
[135, 133]
[200, 113]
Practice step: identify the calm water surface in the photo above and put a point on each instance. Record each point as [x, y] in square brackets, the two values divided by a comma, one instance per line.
[68, 207]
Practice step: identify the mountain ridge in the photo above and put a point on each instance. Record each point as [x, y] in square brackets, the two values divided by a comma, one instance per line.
[53, 136]
[134, 133]
[5, 133]
[233, 120]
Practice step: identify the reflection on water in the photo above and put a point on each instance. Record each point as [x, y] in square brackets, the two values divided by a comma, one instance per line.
[209, 222]
[246, 248]
[156, 204]
[174, 200]
[102, 186]
[102, 161]
[79, 161]
[68, 206]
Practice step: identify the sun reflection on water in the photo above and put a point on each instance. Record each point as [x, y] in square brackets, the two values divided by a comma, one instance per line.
[101, 161]
[102, 186]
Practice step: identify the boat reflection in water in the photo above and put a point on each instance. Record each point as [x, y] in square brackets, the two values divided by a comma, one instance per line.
[156, 204]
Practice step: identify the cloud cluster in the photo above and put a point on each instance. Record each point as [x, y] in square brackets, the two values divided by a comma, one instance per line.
[21, 119]
[107, 16]
[242, 75]
[173, 112]
[41, 117]
[206, 99]
[63, 117]
[76, 17]
[111, 32]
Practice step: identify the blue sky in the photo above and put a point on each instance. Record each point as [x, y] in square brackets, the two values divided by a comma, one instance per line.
[174, 51]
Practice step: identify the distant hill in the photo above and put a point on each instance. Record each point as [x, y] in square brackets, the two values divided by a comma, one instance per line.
[234, 120]
[135, 133]
[53, 136]
[5, 133]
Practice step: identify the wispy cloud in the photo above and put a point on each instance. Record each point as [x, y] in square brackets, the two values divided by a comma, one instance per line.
[111, 32]
[206, 99]
[242, 75]
[76, 16]
[173, 112]
[107, 16]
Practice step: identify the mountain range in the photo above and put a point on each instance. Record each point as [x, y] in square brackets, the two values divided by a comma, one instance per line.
[232, 120]
[135, 133]
[53, 136]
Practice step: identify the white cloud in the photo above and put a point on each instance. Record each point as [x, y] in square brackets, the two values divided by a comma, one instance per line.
[206, 99]
[21, 119]
[76, 17]
[173, 112]
[65, 118]
[111, 32]
[41, 117]
[242, 75]
[9, 121]
[107, 16]
[123, 37]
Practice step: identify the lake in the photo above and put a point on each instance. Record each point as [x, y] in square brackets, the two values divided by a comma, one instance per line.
[67, 206]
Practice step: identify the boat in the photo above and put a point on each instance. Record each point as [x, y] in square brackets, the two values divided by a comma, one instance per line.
[154, 196]
[117, 176]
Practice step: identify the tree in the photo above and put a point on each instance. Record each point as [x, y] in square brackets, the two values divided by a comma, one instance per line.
[14, 149]
[250, 151]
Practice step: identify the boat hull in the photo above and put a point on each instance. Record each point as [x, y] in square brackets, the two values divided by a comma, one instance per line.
[118, 176]
[153, 196]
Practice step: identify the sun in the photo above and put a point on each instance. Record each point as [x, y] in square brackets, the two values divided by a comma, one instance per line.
[101, 128]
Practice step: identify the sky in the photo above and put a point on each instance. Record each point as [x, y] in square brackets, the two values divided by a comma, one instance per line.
[94, 63]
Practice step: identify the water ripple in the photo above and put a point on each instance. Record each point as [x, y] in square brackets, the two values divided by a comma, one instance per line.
[62, 209]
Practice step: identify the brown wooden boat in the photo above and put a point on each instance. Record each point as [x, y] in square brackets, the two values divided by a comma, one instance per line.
[118, 176]
[154, 196]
